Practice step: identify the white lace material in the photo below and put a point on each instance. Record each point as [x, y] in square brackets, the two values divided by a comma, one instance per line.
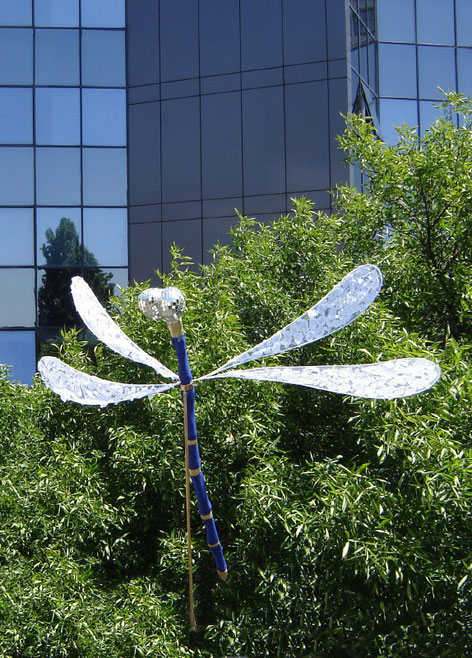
[75, 386]
[388, 380]
[341, 306]
[105, 329]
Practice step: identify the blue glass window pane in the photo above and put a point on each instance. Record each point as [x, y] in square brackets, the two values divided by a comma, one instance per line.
[104, 177]
[464, 71]
[435, 20]
[58, 176]
[429, 112]
[16, 56]
[57, 57]
[396, 20]
[397, 70]
[219, 36]
[179, 39]
[16, 176]
[103, 58]
[16, 236]
[17, 308]
[304, 31]
[16, 116]
[436, 68]
[363, 45]
[15, 12]
[261, 34]
[17, 349]
[464, 22]
[57, 116]
[58, 236]
[103, 13]
[106, 235]
[396, 113]
[56, 13]
[104, 117]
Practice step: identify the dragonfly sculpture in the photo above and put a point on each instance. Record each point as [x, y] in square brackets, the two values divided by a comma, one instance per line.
[341, 306]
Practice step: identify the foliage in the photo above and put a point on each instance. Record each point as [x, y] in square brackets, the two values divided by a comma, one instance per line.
[346, 523]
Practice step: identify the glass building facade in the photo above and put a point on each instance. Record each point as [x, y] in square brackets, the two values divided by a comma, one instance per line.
[149, 121]
[63, 164]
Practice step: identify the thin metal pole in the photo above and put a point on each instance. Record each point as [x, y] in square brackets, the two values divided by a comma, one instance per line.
[187, 512]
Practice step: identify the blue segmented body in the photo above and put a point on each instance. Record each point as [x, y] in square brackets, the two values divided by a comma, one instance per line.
[198, 481]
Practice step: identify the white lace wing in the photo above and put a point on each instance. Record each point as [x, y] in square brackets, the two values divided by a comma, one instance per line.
[386, 380]
[75, 386]
[341, 306]
[105, 329]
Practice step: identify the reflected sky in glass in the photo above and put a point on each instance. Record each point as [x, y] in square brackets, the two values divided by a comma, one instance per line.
[16, 116]
[436, 68]
[103, 58]
[16, 176]
[56, 13]
[57, 57]
[48, 219]
[17, 349]
[105, 234]
[464, 22]
[104, 117]
[16, 236]
[464, 67]
[104, 173]
[435, 21]
[58, 176]
[57, 116]
[17, 306]
[103, 13]
[15, 12]
[429, 112]
[396, 113]
[16, 56]
[397, 70]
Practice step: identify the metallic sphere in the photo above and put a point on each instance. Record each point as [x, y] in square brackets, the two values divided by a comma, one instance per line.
[166, 304]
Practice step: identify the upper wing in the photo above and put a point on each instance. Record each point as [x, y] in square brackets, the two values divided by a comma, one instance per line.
[387, 380]
[75, 386]
[343, 304]
[100, 323]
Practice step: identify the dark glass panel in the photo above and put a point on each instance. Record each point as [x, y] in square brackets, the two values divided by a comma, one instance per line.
[104, 117]
[436, 68]
[307, 140]
[464, 22]
[103, 58]
[143, 42]
[16, 236]
[55, 304]
[355, 41]
[17, 297]
[464, 71]
[373, 82]
[16, 116]
[16, 176]
[397, 70]
[58, 176]
[103, 13]
[304, 31]
[221, 145]
[18, 351]
[180, 150]
[187, 234]
[435, 21]
[261, 34]
[57, 116]
[15, 12]
[216, 230]
[57, 57]
[143, 153]
[56, 13]
[179, 39]
[396, 20]
[16, 56]
[106, 235]
[363, 60]
[58, 236]
[104, 177]
[263, 130]
[396, 113]
[219, 36]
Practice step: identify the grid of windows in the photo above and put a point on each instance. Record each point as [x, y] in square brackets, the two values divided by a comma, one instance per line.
[424, 46]
[364, 48]
[63, 165]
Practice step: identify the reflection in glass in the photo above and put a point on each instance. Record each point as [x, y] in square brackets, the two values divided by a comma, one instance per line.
[105, 234]
[436, 68]
[16, 116]
[16, 236]
[354, 41]
[16, 56]
[57, 116]
[58, 176]
[104, 176]
[57, 57]
[396, 20]
[103, 13]
[16, 175]
[397, 70]
[58, 236]
[464, 71]
[15, 12]
[103, 58]
[16, 297]
[17, 350]
[396, 113]
[105, 281]
[429, 112]
[104, 117]
[464, 22]
[373, 82]
[363, 61]
[56, 13]
[435, 21]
